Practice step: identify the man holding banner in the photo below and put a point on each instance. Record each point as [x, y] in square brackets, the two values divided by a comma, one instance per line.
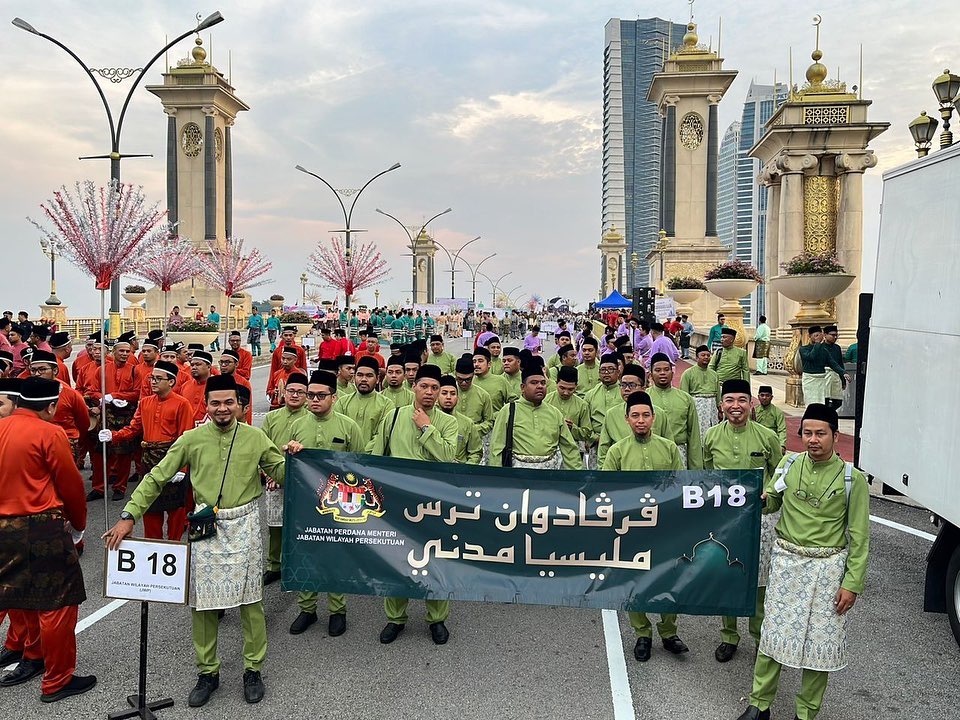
[225, 459]
[645, 451]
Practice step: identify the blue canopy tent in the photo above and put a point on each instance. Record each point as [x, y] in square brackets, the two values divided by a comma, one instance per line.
[613, 301]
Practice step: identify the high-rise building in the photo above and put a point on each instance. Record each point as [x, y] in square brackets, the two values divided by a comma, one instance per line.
[634, 50]
[742, 206]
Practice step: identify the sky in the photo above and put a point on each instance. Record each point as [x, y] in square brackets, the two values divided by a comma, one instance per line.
[493, 108]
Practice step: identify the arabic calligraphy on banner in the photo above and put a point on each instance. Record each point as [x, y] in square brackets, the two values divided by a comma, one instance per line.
[684, 542]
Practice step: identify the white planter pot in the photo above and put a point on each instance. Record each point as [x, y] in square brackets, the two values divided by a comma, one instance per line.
[191, 337]
[276, 304]
[731, 289]
[811, 291]
[134, 298]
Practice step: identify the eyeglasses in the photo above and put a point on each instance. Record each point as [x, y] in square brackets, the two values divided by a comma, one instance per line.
[608, 369]
[629, 385]
[811, 500]
[158, 378]
[318, 396]
[295, 393]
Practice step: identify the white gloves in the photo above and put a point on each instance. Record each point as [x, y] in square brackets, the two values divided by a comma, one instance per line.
[105, 436]
[77, 535]
[178, 477]
[108, 398]
[120, 403]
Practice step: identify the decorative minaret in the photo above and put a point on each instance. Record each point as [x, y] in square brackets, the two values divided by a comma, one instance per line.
[424, 250]
[201, 108]
[613, 251]
[688, 92]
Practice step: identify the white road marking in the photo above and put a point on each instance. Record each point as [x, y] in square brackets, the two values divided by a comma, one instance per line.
[903, 528]
[99, 615]
[619, 682]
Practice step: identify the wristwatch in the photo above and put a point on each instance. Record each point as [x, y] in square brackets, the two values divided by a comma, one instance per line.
[124, 515]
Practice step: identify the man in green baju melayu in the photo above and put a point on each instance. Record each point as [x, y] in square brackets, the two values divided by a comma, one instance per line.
[769, 415]
[615, 425]
[683, 424]
[421, 431]
[738, 443]
[395, 389]
[277, 425]
[511, 370]
[474, 401]
[225, 459]
[606, 394]
[323, 428]
[365, 406]
[729, 361]
[818, 568]
[483, 377]
[469, 444]
[645, 451]
[574, 409]
[440, 357]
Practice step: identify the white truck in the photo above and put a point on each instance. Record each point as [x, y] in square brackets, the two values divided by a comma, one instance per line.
[909, 430]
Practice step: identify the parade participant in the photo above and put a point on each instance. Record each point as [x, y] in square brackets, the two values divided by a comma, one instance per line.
[625, 348]
[469, 444]
[365, 406]
[643, 343]
[184, 353]
[329, 347]
[244, 357]
[194, 390]
[420, 431]
[496, 349]
[715, 335]
[40, 488]
[149, 354]
[683, 425]
[511, 370]
[761, 345]
[815, 359]
[4, 331]
[255, 327]
[440, 357]
[346, 347]
[729, 361]
[615, 426]
[411, 365]
[6, 363]
[686, 332]
[818, 567]
[576, 413]
[566, 357]
[644, 450]
[225, 459]
[273, 329]
[395, 389]
[278, 425]
[345, 370]
[287, 338]
[72, 414]
[703, 385]
[740, 444]
[17, 345]
[605, 395]
[155, 338]
[170, 354]
[278, 381]
[372, 350]
[661, 345]
[418, 326]
[495, 386]
[161, 418]
[229, 365]
[84, 357]
[213, 317]
[563, 340]
[834, 385]
[769, 415]
[62, 348]
[37, 338]
[530, 434]
[533, 342]
[588, 371]
[12, 651]
[485, 335]
[9, 394]
[321, 427]
[474, 402]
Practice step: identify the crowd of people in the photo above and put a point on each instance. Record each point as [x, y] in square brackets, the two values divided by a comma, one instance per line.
[177, 423]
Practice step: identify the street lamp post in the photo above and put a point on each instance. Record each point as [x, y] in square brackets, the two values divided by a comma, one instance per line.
[52, 251]
[453, 261]
[376, 297]
[474, 271]
[495, 284]
[660, 248]
[303, 288]
[413, 242]
[115, 156]
[348, 215]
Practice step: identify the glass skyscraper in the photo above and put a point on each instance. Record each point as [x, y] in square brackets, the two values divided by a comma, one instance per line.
[742, 206]
[634, 51]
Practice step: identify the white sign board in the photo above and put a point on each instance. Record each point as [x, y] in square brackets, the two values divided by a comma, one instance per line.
[151, 570]
[665, 308]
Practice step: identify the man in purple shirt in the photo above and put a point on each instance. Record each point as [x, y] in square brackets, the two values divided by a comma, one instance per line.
[643, 343]
[661, 344]
[484, 336]
[533, 342]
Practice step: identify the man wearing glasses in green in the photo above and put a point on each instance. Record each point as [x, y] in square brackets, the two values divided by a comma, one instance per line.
[818, 567]
[615, 426]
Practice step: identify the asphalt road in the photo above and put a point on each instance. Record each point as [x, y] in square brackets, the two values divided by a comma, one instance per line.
[513, 661]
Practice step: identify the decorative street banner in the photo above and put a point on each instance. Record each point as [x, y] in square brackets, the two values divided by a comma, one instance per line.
[682, 542]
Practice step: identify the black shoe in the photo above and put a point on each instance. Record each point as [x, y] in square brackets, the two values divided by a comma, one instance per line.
[270, 577]
[252, 686]
[206, 684]
[8, 657]
[337, 625]
[675, 645]
[390, 633]
[725, 652]
[117, 494]
[94, 495]
[641, 651]
[78, 685]
[24, 671]
[135, 478]
[439, 633]
[754, 713]
[302, 622]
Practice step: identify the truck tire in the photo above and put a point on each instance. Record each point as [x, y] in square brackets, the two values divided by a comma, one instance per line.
[952, 591]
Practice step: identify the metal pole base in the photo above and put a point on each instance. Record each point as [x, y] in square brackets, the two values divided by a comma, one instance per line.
[144, 713]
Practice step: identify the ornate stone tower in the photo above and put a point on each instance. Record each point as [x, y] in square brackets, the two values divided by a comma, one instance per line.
[201, 108]
[424, 250]
[688, 92]
[814, 154]
[613, 250]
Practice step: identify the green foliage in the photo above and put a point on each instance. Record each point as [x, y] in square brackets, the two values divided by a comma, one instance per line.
[685, 283]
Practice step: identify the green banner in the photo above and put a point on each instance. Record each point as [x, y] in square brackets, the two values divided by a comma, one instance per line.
[684, 542]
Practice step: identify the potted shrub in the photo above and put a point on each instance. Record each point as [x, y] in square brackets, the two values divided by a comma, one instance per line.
[811, 279]
[187, 330]
[685, 291]
[134, 293]
[302, 321]
[276, 301]
[732, 280]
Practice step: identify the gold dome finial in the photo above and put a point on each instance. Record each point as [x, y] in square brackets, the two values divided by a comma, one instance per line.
[199, 54]
[690, 38]
[817, 72]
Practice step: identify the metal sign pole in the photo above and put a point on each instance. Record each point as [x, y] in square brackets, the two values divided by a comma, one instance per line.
[138, 703]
